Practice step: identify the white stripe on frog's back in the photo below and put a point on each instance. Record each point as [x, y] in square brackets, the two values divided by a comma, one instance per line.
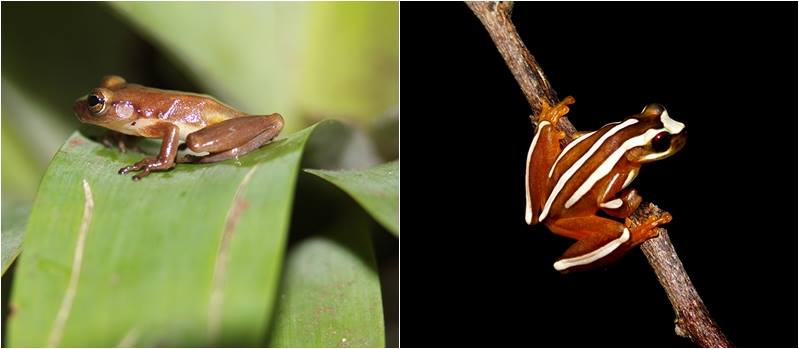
[566, 176]
[135, 127]
[610, 162]
[566, 150]
[528, 212]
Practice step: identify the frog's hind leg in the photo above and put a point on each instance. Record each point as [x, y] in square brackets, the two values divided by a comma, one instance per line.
[233, 138]
[599, 242]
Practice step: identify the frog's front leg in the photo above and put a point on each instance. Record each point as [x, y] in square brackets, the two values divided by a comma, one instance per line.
[622, 206]
[165, 160]
[234, 137]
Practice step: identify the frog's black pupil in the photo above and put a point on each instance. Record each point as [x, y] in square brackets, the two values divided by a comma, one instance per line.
[94, 101]
[661, 142]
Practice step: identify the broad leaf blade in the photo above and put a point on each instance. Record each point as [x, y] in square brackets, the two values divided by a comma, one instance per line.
[150, 270]
[330, 295]
[376, 189]
[350, 66]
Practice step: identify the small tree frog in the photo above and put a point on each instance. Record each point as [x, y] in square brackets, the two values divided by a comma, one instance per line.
[202, 122]
[567, 186]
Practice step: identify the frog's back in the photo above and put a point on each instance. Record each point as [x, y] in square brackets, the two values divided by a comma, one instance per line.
[175, 106]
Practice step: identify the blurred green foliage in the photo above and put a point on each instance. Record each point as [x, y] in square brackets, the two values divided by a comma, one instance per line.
[307, 61]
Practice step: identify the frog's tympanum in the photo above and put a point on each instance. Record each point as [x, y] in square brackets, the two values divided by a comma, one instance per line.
[566, 187]
[203, 123]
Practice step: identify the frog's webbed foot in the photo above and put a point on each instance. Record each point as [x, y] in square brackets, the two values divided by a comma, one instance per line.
[146, 166]
[554, 113]
[647, 229]
[122, 142]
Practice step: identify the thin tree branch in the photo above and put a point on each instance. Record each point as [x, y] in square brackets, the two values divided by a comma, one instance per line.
[692, 318]
[496, 18]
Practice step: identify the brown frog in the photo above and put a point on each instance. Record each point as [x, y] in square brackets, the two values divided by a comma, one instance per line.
[202, 122]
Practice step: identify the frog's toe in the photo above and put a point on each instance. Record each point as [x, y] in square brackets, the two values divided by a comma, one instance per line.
[141, 175]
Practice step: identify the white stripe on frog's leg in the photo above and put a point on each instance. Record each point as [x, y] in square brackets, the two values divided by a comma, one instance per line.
[594, 255]
[612, 204]
[568, 147]
[566, 176]
[630, 176]
[528, 213]
[671, 125]
[609, 185]
[610, 162]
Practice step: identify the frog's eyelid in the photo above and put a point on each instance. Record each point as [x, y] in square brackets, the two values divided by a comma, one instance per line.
[671, 125]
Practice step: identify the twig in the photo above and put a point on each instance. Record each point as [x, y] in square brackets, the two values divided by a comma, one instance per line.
[692, 318]
[496, 18]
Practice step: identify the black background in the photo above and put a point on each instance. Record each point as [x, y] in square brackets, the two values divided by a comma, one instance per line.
[472, 272]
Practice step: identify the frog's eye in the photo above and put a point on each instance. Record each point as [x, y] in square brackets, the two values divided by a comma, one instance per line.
[661, 142]
[96, 102]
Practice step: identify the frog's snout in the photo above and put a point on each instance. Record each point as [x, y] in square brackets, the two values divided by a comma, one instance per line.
[79, 108]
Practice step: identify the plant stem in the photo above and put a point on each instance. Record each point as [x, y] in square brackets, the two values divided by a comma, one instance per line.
[692, 318]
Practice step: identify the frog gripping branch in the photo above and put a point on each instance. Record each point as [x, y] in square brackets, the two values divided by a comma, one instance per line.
[692, 317]
[565, 187]
[202, 122]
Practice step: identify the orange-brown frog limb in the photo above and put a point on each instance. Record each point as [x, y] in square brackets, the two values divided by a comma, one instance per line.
[203, 123]
[567, 186]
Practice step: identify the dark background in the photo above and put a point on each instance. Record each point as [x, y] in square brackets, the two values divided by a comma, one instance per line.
[473, 274]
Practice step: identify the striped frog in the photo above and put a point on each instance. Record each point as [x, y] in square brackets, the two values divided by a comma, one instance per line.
[566, 187]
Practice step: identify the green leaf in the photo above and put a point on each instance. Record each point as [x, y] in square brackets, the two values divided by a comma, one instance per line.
[317, 59]
[15, 216]
[376, 189]
[196, 250]
[350, 66]
[330, 296]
